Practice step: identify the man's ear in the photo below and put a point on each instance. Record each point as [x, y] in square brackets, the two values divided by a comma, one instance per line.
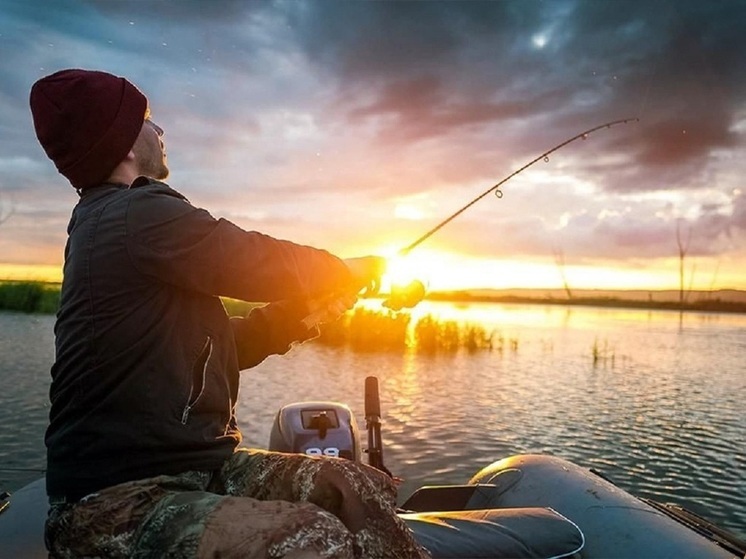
[126, 171]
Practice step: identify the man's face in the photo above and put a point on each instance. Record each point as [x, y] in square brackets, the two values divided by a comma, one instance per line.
[150, 152]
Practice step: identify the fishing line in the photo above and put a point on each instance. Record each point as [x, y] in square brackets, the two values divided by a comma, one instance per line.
[496, 188]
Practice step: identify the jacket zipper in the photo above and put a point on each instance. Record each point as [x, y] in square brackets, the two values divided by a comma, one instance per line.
[191, 401]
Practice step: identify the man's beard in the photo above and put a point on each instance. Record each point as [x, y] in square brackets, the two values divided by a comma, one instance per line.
[150, 161]
[155, 169]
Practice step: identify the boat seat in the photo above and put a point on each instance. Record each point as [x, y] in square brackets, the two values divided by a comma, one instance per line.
[534, 532]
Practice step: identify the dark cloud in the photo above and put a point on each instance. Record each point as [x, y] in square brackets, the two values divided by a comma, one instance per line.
[419, 108]
[444, 69]
[379, 51]
[375, 41]
[681, 72]
[181, 12]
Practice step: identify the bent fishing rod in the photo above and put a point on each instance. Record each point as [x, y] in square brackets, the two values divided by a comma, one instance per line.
[496, 188]
[410, 295]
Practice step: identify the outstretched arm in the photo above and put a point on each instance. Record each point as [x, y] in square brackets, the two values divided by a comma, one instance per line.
[272, 329]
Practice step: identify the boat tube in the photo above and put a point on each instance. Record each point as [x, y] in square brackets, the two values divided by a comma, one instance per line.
[532, 506]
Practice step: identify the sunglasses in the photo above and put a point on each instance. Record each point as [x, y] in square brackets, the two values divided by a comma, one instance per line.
[158, 129]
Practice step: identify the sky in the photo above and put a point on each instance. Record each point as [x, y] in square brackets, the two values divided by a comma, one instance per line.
[358, 126]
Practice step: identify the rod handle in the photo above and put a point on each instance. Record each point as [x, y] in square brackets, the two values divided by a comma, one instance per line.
[372, 399]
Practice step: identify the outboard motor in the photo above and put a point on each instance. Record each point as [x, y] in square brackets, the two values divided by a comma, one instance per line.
[316, 429]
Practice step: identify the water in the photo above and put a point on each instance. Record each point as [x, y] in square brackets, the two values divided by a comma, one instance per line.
[659, 410]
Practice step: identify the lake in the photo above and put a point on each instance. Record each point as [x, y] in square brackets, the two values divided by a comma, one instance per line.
[652, 399]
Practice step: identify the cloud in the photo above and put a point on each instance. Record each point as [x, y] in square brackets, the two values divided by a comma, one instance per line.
[313, 120]
[683, 75]
[439, 68]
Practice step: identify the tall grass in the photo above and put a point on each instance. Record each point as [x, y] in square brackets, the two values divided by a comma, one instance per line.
[369, 330]
[29, 297]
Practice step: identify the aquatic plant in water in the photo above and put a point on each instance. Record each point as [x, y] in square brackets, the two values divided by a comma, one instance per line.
[603, 354]
[369, 330]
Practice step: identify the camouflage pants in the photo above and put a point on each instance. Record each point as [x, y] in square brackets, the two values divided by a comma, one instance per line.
[258, 505]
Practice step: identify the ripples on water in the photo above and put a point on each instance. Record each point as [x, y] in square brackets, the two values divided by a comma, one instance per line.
[660, 413]
[26, 353]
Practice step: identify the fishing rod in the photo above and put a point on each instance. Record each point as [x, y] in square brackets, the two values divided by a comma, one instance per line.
[496, 188]
[411, 294]
[414, 292]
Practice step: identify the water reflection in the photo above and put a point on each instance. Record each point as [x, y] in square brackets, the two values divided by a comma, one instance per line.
[406, 385]
[664, 420]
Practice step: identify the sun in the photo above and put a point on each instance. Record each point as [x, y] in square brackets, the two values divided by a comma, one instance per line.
[435, 269]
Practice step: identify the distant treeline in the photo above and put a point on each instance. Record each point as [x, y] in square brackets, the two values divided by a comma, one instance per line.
[705, 305]
[29, 297]
[40, 297]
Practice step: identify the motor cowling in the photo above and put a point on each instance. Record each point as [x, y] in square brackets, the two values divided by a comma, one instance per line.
[316, 429]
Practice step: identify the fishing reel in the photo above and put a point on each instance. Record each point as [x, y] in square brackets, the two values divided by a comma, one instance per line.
[405, 296]
[330, 429]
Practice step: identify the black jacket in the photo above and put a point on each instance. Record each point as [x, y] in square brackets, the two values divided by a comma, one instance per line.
[145, 379]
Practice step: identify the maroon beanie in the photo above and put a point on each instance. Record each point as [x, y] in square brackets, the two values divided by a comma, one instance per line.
[87, 122]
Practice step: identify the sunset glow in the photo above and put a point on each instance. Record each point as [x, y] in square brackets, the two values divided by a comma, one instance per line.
[357, 126]
[31, 272]
[443, 271]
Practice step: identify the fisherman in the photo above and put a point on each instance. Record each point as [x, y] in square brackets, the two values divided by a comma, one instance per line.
[143, 456]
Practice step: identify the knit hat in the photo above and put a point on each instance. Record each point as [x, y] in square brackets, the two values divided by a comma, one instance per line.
[86, 121]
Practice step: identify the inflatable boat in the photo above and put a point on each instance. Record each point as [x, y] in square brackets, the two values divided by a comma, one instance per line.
[531, 506]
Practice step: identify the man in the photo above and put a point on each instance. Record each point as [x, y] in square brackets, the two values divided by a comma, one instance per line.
[142, 445]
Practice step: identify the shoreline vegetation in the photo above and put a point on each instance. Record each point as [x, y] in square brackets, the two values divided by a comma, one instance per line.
[722, 301]
[29, 297]
[384, 330]
[43, 297]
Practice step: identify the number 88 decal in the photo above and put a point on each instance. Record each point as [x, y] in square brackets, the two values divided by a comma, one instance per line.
[332, 451]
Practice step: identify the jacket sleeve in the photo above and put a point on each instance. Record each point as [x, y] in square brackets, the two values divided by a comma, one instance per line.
[270, 330]
[179, 244]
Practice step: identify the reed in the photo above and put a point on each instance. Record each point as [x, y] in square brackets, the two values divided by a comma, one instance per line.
[29, 297]
[432, 335]
[603, 354]
[369, 330]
